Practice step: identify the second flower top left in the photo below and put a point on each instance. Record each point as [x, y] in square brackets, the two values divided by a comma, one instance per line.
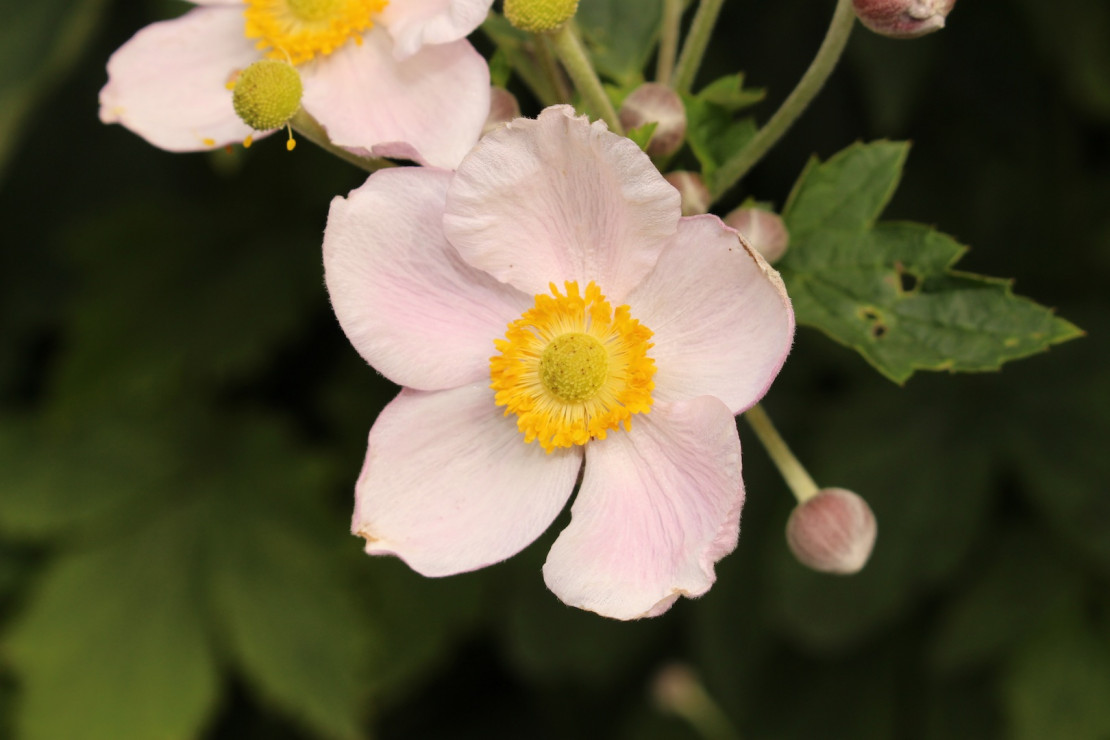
[384, 79]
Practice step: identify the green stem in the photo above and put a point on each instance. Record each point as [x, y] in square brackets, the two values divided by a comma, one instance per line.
[310, 128]
[836, 38]
[800, 482]
[696, 41]
[581, 71]
[551, 69]
[668, 40]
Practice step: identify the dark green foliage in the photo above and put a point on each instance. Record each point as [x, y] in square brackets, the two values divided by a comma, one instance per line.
[182, 421]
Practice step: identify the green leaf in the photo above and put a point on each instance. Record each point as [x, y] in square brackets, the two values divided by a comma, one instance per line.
[620, 36]
[887, 290]
[113, 647]
[642, 134]
[728, 92]
[1057, 685]
[229, 542]
[500, 69]
[712, 133]
[289, 618]
[39, 42]
[995, 611]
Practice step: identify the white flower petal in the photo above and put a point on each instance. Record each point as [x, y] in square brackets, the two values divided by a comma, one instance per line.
[406, 300]
[659, 505]
[558, 199]
[168, 83]
[430, 107]
[720, 315]
[415, 23]
[450, 486]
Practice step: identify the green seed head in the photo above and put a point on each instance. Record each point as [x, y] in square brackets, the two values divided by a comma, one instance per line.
[267, 94]
[573, 367]
[539, 16]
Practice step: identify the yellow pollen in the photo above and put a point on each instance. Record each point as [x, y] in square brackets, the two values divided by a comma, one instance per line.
[572, 368]
[299, 30]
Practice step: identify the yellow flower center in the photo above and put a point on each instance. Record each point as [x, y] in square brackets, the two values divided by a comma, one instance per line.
[571, 368]
[298, 30]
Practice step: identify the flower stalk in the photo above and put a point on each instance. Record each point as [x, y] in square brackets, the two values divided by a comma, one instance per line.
[836, 38]
[668, 40]
[801, 484]
[701, 28]
[568, 47]
[310, 128]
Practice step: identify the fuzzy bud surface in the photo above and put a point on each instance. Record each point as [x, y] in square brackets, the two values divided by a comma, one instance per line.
[695, 196]
[903, 19]
[652, 102]
[833, 532]
[762, 229]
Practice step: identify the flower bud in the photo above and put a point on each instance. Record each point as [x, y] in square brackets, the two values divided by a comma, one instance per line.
[764, 230]
[652, 102]
[267, 94]
[833, 532]
[695, 196]
[503, 107]
[903, 19]
[539, 16]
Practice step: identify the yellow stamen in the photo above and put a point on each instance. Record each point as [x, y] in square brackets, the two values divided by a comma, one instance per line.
[299, 30]
[572, 368]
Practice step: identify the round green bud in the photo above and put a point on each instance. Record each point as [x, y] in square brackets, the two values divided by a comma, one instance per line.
[539, 16]
[267, 94]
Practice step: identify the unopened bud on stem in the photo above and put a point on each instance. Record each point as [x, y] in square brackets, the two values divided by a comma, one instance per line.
[695, 196]
[659, 104]
[832, 532]
[503, 107]
[762, 229]
[539, 16]
[903, 19]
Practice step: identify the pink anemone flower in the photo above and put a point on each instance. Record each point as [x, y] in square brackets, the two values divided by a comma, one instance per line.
[383, 78]
[547, 311]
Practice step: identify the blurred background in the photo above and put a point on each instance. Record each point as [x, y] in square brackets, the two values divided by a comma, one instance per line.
[182, 422]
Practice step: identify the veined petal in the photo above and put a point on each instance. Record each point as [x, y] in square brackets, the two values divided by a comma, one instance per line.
[720, 314]
[554, 199]
[449, 486]
[406, 300]
[415, 23]
[168, 83]
[658, 507]
[429, 107]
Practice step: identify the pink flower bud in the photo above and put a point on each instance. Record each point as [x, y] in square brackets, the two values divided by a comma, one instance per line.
[762, 229]
[652, 102]
[503, 107]
[903, 19]
[833, 532]
[695, 196]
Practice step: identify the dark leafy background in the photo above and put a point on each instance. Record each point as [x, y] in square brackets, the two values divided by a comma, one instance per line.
[181, 422]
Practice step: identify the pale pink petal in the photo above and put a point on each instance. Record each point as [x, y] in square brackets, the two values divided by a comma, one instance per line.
[449, 484]
[555, 199]
[234, 3]
[406, 300]
[721, 318]
[659, 505]
[430, 107]
[168, 83]
[415, 23]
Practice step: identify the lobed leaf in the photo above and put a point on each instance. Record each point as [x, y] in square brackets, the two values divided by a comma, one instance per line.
[887, 289]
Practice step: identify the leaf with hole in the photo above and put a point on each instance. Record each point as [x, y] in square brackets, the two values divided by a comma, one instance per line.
[886, 289]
